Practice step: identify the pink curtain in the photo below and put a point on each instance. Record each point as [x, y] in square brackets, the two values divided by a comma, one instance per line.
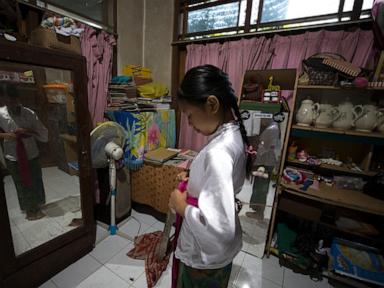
[97, 47]
[279, 52]
[214, 54]
[234, 58]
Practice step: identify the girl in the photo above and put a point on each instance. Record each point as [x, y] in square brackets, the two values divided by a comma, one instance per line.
[210, 235]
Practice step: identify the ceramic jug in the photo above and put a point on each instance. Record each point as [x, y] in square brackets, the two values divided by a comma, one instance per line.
[324, 115]
[365, 117]
[344, 120]
[304, 116]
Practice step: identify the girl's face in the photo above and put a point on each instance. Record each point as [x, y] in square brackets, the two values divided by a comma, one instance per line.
[204, 118]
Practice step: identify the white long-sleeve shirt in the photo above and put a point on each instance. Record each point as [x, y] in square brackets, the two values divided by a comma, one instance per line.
[211, 235]
[27, 120]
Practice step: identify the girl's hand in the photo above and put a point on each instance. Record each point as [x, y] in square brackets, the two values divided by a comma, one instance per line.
[8, 136]
[178, 201]
[182, 176]
[23, 131]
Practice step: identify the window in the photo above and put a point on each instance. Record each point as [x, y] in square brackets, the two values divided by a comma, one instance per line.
[348, 5]
[212, 18]
[292, 9]
[222, 17]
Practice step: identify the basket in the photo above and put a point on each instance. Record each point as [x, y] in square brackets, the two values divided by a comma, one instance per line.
[50, 39]
[320, 77]
[152, 185]
[319, 73]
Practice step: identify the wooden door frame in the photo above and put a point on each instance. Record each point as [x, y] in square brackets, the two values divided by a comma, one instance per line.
[35, 266]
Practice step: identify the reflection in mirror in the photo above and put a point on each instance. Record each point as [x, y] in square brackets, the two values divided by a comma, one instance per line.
[38, 155]
[258, 196]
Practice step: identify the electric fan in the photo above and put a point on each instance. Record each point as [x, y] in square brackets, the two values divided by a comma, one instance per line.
[107, 143]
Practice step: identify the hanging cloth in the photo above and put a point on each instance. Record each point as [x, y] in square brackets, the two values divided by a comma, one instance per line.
[22, 160]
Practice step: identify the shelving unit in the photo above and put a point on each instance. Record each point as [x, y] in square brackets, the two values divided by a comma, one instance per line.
[309, 204]
[331, 168]
[314, 214]
[339, 197]
[70, 148]
[341, 132]
[336, 87]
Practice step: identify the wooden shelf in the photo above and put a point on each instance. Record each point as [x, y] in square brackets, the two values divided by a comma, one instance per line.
[345, 280]
[22, 85]
[332, 167]
[339, 197]
[313, 213]
[340, 132]
[317, 87]
[336, 87]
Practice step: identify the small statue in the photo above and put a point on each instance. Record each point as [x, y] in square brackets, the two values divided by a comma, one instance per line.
[272, 93]
[272, 87]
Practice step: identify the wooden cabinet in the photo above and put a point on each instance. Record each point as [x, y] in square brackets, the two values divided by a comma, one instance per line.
[358, 148]
[152, 184]
[43, 234]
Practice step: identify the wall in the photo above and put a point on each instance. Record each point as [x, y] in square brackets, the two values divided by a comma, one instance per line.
[158, 38]
[130, 30]
[145, 30]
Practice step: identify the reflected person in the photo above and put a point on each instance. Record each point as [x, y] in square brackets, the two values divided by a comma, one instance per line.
[266, 162]
[21, 128]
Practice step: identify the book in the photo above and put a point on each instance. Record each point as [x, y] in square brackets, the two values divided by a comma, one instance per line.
[357, 261]
[160, 155]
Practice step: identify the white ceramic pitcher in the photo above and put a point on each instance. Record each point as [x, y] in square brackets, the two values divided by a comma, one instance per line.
[304, 116]
[365, 117]
[344, 120]
[380, 121]
[324, 115]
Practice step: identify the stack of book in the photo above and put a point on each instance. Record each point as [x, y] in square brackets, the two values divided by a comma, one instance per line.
[122, 95]
[160, 155]
[154, 104]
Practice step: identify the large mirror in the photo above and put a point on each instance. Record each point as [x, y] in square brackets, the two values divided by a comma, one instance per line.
[265, 120]
[258, 194]
[39, 153]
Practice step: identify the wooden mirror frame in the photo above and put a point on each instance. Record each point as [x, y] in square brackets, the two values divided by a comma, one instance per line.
[39, 264]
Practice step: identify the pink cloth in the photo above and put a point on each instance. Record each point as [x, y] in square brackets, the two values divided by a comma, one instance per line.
[279, 52]
[97, 47]
[145, 249]
[22, 160]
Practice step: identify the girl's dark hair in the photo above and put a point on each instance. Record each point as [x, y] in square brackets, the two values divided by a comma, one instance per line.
[203, 81]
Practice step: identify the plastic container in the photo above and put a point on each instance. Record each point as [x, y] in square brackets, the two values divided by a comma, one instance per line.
[56, 93]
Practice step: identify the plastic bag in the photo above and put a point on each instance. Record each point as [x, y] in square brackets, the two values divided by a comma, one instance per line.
[350, 183]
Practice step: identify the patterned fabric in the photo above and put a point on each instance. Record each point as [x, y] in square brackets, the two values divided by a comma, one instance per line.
[146, 131]
[203, 278]
[179, 221]
[145, 246]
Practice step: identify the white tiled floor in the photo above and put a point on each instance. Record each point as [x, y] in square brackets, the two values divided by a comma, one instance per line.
[63, 205]
[108, 266]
